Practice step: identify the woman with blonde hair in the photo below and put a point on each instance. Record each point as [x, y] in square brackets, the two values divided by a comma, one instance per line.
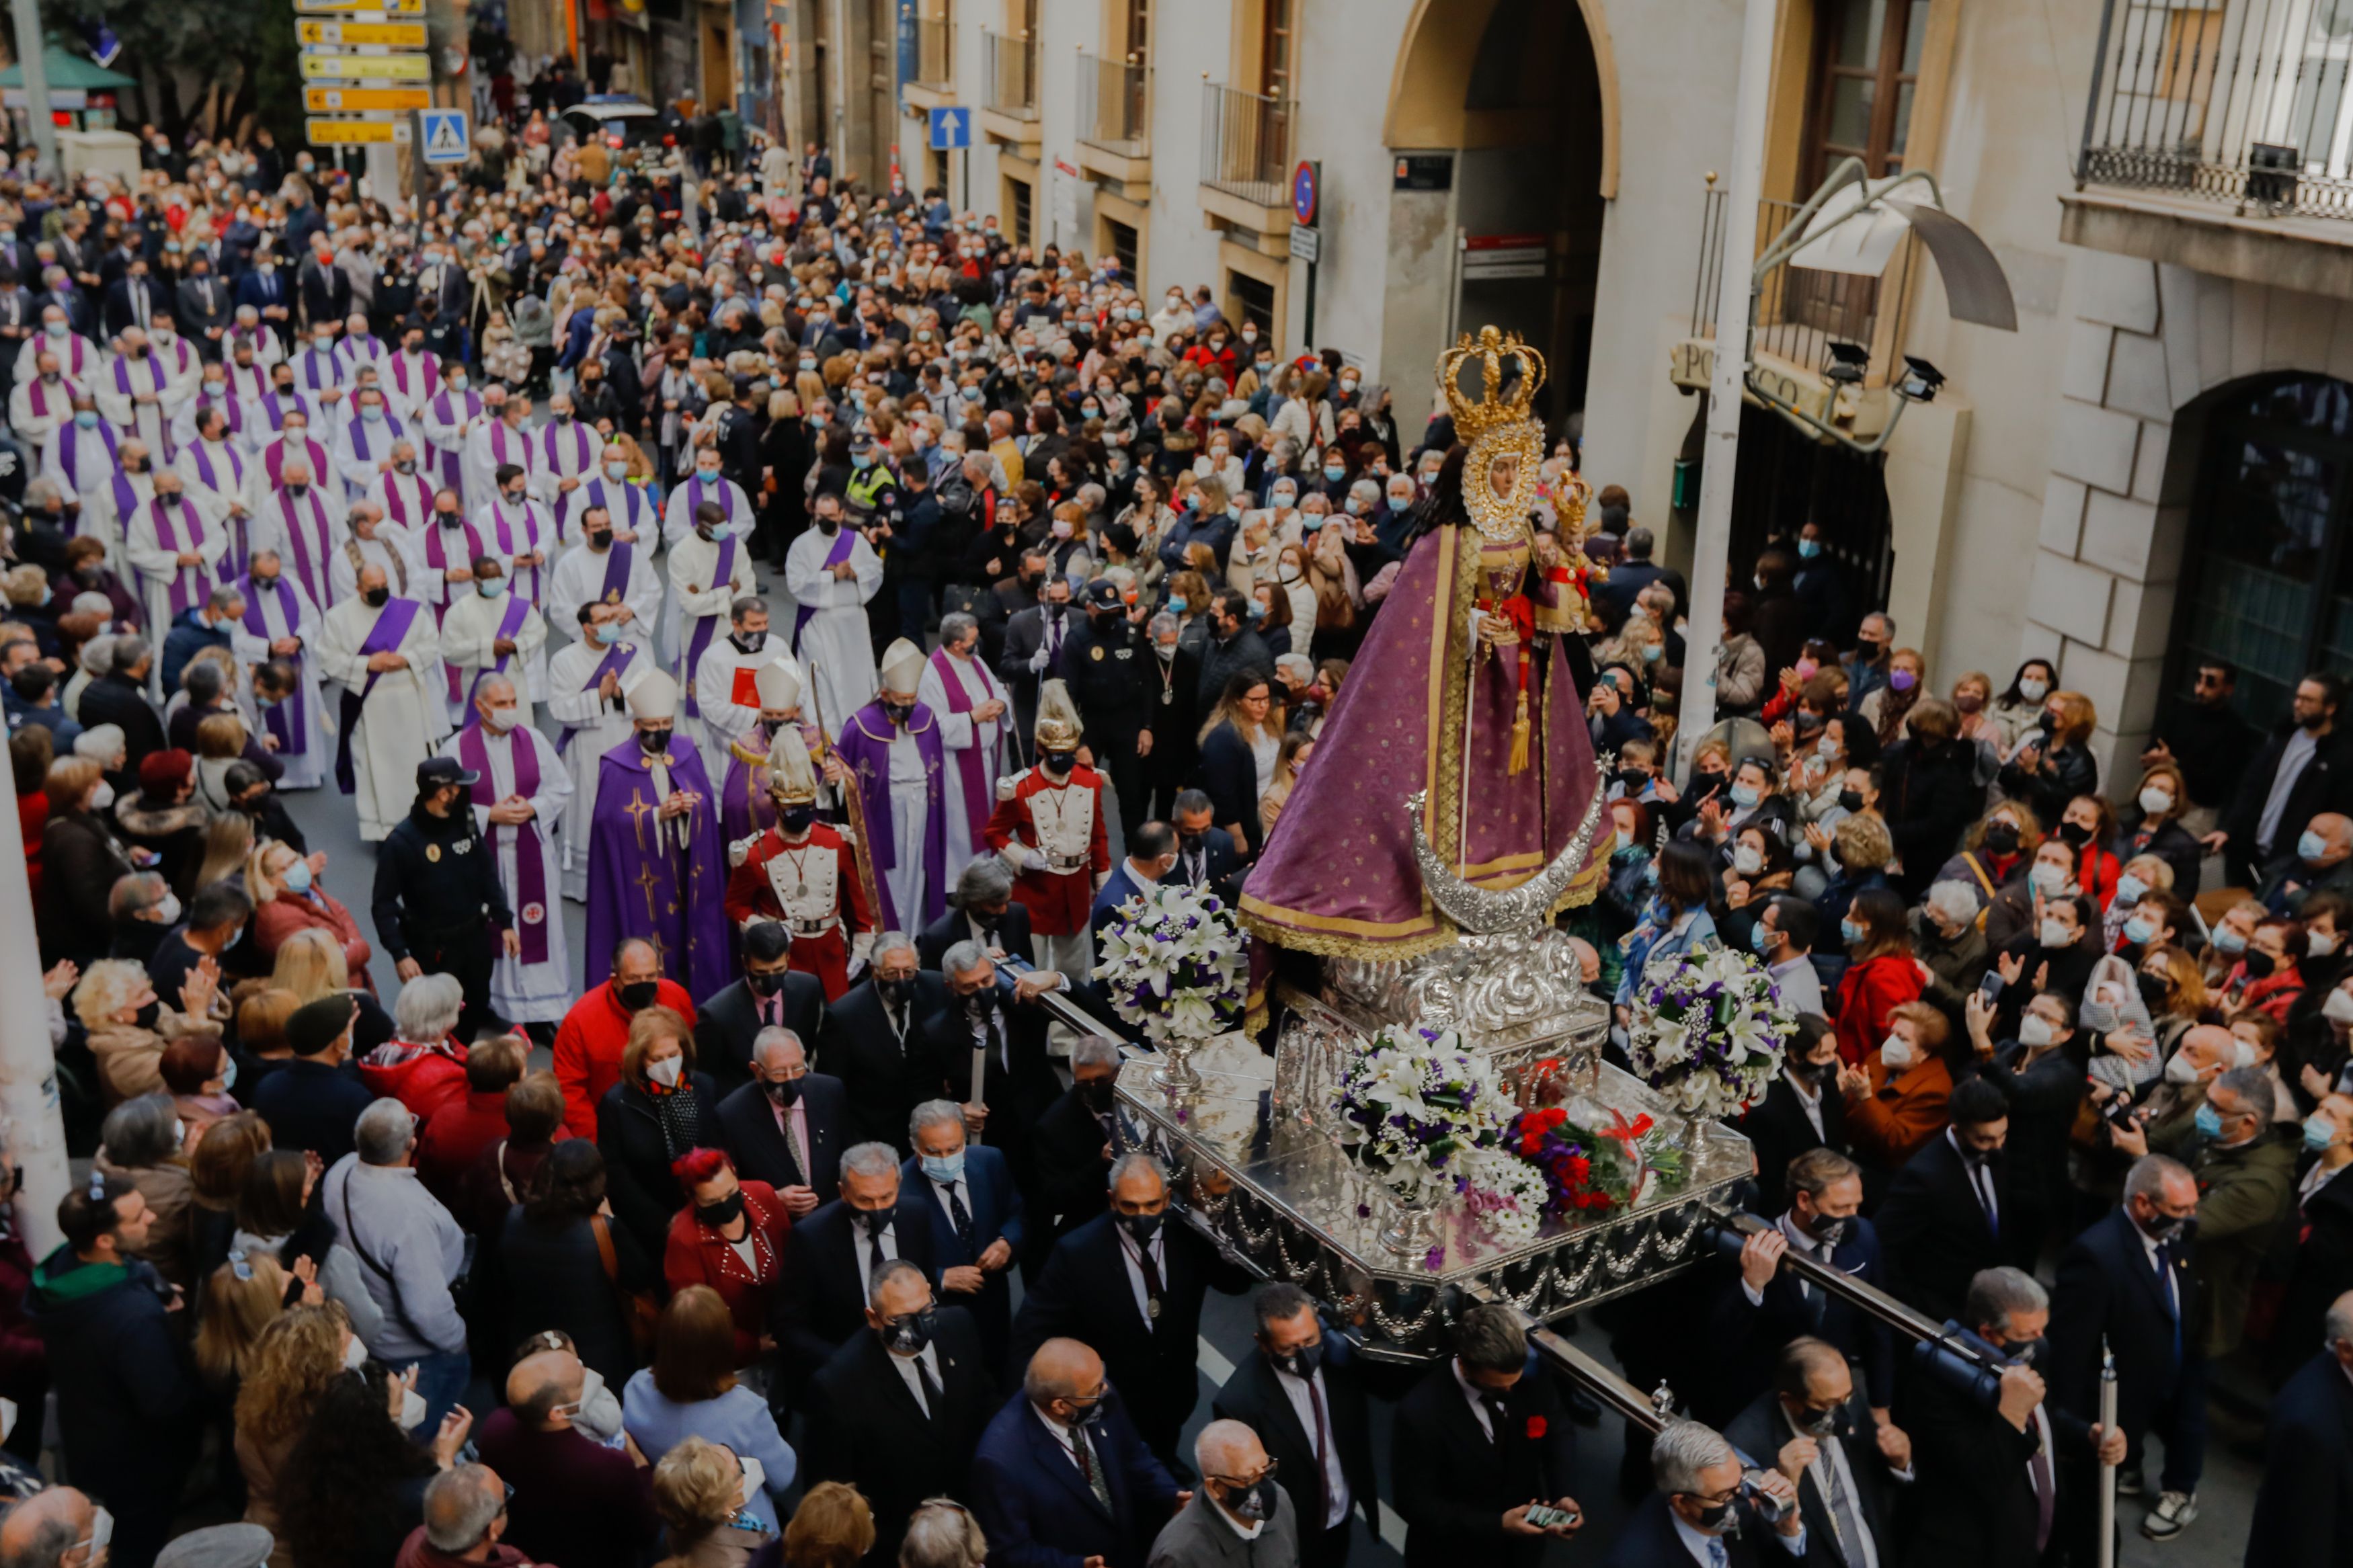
[220, 746]
[228, 839]
[833, 1527]
[660, 1108]
[310, 964]
[293, 1358]
[287, 899]
[698, 1490]
[241, 1298]
[113, 994]
[1296, 746]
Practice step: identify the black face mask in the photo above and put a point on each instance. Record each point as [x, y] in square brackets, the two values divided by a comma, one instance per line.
[1253, 1502]
[1852, 799]
[1058, 763]
[786, 1092]
[1096, 1093]
[910, 1334]
[2001, 839]
[796, 818]
[2156, 990]
[725, 1212]
[377, 598]
[1815, 1073]
[2163, 1226]
[655, 742]
[147, 1016]
[1190, 841]
[1713, 1518]
[767, 984]
[263, 585]
[448, 519]
[1835, 1421]
[1300, 1362]
[897, 992]
[637, 996]
[599, 538]
[1142, 1227]
[2026, 1353]
[2075, 833]
[1827, 1231]
[900, 712]
[2259, 964]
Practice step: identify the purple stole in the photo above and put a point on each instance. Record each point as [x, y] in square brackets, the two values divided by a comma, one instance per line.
[358, 428]
[436, 560]
[580, 438]
[293, 732]
[274, 408]
[232, 409]
[531, 856]
[616, 664]
[309, 370]
[867, 754]
[36, 394]
[273, 462]
[619, 560]
[394, 487]
[239, 554]
[976, 803]
[842, 539]
[468, 405]
[723, 572]
[622, 497]
[428, 372]
[126, 501]
[726, 499]
[499, 458]
[351, 357]
[122, 386]
[69, 450]
[508, 548]
[312, 570]
[509, 624]
[391, 628]
[183, 592]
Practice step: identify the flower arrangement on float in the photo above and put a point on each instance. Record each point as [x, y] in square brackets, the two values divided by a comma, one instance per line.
[1708, 1030]
[1174, 965]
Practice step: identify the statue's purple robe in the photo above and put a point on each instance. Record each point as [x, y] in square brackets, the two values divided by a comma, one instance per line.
[865, 748]
[642, 883]
[1338, 877]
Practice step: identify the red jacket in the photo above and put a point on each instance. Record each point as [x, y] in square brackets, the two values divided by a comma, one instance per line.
[288, 913]
[2096, 871]
[589, 1048]
[453, 1138]
[422, 1078]
[1059, 902]
[1869, 992]
[698, 1255]
[836, 896]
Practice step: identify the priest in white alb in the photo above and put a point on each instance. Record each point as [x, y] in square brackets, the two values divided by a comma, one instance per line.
[520, 529]
[831, 572]
[588, 685]
[216, 471]
[294, 521]
[211, 393]
[267, 472]
[963, 693]
[41, 403]
[363, 446]
[359, 347]
[722, 679]
[138, 395]
[181, 361]
[635, 516]
[412, 373]
[519, 799]
[447, 420]
[608, 569]
[370, 537]
[280, 625]
[246, 332]
[273, 408]
[78, 357]
[321, 375]
[405, 490]
[174, 550]
[385, 655]
[709, 570]
[563, 458]
[706, 486]
[500, 441]
[83, 455]
[494, 631]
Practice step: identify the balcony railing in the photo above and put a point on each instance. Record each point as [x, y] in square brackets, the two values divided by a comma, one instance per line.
[1246, 145]
[1801, 311]
[1012, 65]
[2237, 101]
[935, 53]
[1111, 98]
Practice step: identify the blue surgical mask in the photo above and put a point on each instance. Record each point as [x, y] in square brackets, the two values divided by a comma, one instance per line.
[862, 460]
[945, 1168]
[86, 418]
[2319, 1132]
[372, 414]
[2140, 931]
[1743, 796]
[617, 472]
[1398, 503]
[2311, 848]
[2229, 941]
[1853, 933]
[1177, 604]
[1334, 472]
[297, 877]
[2130, 887]
[1809, 548]
[491, 587]
[2210, 1121]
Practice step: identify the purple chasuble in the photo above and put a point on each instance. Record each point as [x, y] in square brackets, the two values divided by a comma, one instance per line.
[865, 749]
[643, 883]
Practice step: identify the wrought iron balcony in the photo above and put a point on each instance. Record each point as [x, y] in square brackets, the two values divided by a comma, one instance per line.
[1012, 84]
[1114, 96]
[1246, 145]
[935, 53]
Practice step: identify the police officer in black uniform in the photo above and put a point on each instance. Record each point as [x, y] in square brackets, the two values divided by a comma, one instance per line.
[1106, 663]
[439, 907]
[736, 438]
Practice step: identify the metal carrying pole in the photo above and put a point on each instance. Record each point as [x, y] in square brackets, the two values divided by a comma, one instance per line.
[2107, 1471]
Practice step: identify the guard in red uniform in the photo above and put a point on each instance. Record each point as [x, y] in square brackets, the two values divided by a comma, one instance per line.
[1049, 826]
[800, 872]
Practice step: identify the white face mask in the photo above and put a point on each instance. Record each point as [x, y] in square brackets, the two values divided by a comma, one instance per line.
[355, 1354]
[2033, 690]
[2338, 1008]
[1898, 1055]
[2181, 1070]
[2051, 933]
[2034, 1030]
[665, 1072]
[1747, 860]
[2242, 1054]
[599, 1411]
[2155, 801]
[412, 1410]
[102, 796]
[2048, 880]
[167, 910]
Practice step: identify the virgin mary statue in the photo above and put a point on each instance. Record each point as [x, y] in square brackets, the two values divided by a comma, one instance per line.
[1453, 787]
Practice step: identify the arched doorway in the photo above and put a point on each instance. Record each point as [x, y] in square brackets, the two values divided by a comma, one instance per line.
[2267, 566]
[1522, 93]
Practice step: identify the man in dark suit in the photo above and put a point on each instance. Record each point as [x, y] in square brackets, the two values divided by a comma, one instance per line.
[1033, 642]
[203, 304]
[2320, 751]
[1993, 1482]
[1482, 1438]
[2125, 1284]
[1798, 1112]
[788, 1126]
[1150, 857]
[1813, 1426]
[325, 288]
[769, 996]
[1767, 1307]
[266, 289]
[1300, 1396]
[135, 299]
[831, 1257]
[870, 1042]
[1061, 1476]
[981, 1226]
[1942, 1220]
[1700, 1492]
[900, 1408]
[2304, 1512]
[1205, 855]
[73, 302]
[1071, 1149]
[986, 1008]
[1130, 1284]
[982, 910]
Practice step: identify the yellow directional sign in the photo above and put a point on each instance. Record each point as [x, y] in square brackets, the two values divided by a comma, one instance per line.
[356, 133]
[397, 35]
[317, 66]
[329, 100]
[389, 7]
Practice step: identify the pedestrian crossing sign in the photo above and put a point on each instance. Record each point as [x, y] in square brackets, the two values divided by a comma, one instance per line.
[443, 135]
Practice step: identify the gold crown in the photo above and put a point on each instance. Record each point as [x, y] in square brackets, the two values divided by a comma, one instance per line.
[1493, 408]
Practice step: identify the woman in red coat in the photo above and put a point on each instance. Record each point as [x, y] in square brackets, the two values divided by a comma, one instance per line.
[287, 899]
[729, 1237]
[1881, 976]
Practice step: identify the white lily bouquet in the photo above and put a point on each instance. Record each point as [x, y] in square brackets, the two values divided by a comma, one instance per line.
[1416, 1109]
[1175, 964]
[1708, 1030]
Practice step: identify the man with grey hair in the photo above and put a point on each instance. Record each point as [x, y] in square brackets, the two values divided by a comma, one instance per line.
[2247, 1176]
[1071, 1418]
[981, 908]
[2304, 1513]
[1994, 1482]
[981, 1227]
[970, 703]
[787, 1126]
[1703, 1509]
[465, 1515]
[1129, 1283]
[1239, 1518]
[410, 1251]
[874, 1039]
[831, 1257]
[1477, 1442]
[943, 1534]
[1071, 1149]
[2126, 1284]
[53, 1529]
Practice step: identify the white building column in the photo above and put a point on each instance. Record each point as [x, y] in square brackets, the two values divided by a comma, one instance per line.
[28, 1069]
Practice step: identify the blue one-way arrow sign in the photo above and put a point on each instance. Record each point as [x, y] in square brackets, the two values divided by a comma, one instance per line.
[951, 129]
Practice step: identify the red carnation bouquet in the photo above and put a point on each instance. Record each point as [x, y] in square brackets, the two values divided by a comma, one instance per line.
[1590, 1170]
